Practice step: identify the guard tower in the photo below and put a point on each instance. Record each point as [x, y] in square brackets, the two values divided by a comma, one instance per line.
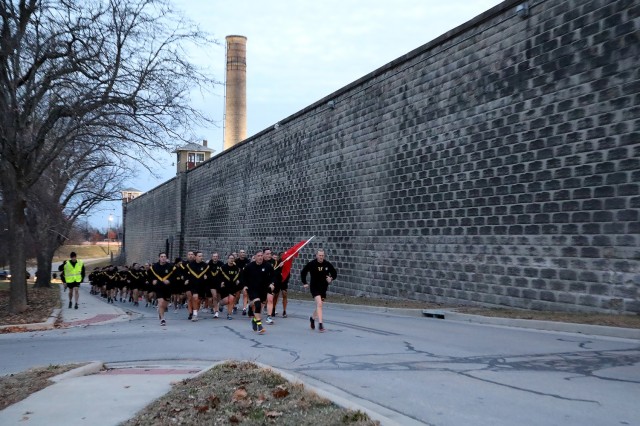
[191, 155]
[128, 194]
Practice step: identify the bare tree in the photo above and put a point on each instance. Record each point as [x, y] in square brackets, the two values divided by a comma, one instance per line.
[113, 70]
[4, 242]
[70, 188]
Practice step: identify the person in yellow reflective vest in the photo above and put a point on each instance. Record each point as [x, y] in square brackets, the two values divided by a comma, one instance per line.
[73, 276]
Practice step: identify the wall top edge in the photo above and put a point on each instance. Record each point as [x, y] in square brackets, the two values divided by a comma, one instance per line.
[455, 32]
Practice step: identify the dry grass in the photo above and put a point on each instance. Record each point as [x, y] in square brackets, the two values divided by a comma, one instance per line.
[241, 393]
[42, 302]
[16, 387]
[84, 252]
[611, 320]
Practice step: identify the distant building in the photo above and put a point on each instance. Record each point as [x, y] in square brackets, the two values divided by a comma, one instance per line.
[129, 194]
[192, 155]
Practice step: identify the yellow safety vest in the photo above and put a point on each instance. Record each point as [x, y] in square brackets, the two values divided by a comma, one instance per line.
[73, 274]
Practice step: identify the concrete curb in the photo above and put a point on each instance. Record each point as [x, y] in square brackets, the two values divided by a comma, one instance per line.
[85, 370]
[596, 330]
[49, 324]
[335, 395]
[344, 400]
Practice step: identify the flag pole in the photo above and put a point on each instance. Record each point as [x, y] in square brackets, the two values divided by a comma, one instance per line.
[282, 262]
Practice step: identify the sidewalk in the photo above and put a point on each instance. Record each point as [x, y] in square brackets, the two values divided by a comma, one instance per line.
[126, 386]
[91, 310]
[93, 396]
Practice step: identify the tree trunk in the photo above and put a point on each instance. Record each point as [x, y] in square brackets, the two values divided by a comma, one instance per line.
[14, 206]
[49, 243]
[45, 259]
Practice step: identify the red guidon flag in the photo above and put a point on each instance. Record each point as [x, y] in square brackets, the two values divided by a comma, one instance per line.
[287, 258]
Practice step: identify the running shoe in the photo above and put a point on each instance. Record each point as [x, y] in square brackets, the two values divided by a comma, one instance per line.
[254, 325]
[269, 320]
[261, 330]
[70, 305]
[229, 317]
[190, 316]
[284, 314]
[76, 306]
[195, 318]
[312, 323]
[244, 311]
[321, 328]
[163, 322]
[215, 315]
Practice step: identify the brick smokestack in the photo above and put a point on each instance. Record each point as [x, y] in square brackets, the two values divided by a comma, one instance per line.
[235, 117]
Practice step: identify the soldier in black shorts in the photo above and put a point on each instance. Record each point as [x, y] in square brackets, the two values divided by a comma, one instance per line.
[163, 276]
[268, 258]
[197, 281]
[111, 282]
[229, 284]
[242, 261]
[257, 278]
[214, 288]
[135, 281]
[182, 268]
[281, 288]
[322, 274]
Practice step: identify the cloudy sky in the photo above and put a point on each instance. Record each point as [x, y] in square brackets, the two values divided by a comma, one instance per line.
[299, 52]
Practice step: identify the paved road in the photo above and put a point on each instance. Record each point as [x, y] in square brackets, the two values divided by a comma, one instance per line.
[413, 369]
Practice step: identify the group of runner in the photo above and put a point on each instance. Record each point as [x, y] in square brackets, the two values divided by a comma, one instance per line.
[199, 285]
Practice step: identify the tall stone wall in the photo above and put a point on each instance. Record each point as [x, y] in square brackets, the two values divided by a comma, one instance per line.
[498, 164]
[153, 223]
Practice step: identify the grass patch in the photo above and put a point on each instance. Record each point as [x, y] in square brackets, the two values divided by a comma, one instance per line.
[83, 251]
[42, 302]
[16, 387]
[241, 393]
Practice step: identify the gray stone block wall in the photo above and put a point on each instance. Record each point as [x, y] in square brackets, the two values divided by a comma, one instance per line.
[497, 165]
[152, 224]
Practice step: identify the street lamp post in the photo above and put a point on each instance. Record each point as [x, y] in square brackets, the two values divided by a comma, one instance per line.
[109, 239]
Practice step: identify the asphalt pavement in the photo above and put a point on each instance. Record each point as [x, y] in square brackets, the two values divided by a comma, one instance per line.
[116, 391]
